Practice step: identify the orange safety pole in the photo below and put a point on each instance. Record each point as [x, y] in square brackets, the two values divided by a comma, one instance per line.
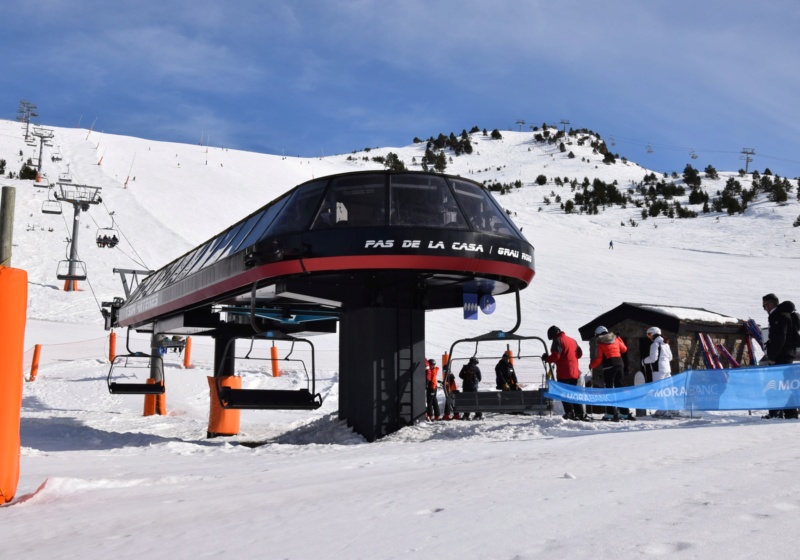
[112, 346]
[155, 404]
[445, 361]
[14, 303]
[510, 353]
[187, 353]
[274, 356]
[37, 350]
[223, 421]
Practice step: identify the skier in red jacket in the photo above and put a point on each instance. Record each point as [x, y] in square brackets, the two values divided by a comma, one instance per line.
[431, 385]
[565, 353]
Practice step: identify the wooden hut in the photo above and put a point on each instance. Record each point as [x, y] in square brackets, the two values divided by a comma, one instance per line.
[679, 325]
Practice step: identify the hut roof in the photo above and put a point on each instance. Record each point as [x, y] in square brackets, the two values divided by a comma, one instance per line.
[676, 319]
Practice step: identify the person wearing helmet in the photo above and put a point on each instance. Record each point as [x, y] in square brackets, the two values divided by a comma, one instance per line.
[471, 378]
[659, 360]
[432, 384]
[610, 349]
[565, 353]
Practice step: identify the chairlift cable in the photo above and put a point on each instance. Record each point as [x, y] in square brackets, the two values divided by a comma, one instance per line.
[128, 241]
[94, 295]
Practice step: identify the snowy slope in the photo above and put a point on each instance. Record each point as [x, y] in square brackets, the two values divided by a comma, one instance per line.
[112, 483]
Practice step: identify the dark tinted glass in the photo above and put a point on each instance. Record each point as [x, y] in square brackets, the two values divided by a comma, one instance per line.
[483, 213]
[352, 202]
[296, 215]
[424, 200]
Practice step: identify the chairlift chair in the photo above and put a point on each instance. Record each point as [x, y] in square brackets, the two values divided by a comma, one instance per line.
[501, 401]
[135, 365]
[107, 238]
[271, 399]
[51, 207]
[71, 270]
[508, 402]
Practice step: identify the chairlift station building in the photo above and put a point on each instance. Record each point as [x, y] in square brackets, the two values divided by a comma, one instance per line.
[371, 251]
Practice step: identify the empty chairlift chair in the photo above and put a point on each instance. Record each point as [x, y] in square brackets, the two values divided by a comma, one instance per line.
[272, 399]
[51, 207]
[71, 270]
[135, 368]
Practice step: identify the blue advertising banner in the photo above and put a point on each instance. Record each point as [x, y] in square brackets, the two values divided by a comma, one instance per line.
[754, 387]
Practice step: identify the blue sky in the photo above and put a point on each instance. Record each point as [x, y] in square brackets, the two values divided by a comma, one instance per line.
[314, 77]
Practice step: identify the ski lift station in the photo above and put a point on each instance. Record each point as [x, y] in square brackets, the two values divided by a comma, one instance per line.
[368, 252]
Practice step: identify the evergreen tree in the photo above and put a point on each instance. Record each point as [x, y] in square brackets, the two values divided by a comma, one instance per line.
[691, 177]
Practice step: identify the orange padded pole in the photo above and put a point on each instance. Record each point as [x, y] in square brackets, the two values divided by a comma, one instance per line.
[223, 421]
[187, 353]
[274, 357]
[155, 404]
[14, 303]
[510, 354]
[37, 350]
[112, 346]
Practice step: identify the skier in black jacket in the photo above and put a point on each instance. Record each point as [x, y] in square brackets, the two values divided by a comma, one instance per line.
[471, 374]
[782, 342]
[505, 375]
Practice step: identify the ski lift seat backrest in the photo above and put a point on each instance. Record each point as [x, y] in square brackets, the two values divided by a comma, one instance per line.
[75, 272]
[136, 388]
[51, 207]
[267, 399]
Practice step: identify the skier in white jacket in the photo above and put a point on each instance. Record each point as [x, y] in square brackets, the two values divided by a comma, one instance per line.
[659, 358]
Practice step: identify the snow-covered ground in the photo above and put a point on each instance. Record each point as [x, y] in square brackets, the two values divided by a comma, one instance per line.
[99, 480]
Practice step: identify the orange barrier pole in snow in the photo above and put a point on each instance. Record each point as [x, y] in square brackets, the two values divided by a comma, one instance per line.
[223, 421]
[187, 353]
[112, 346]
[155, 404]
[274, 356]
[510, 354]
[445, 361]
[14, 303]
[70, 285]
[37, 350]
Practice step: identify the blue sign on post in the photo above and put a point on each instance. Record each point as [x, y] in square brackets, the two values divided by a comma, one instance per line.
[471, 307]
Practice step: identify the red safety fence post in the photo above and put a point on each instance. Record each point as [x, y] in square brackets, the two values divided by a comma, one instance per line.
[112, 346]
[187, 353]
[274, 358]
[37, 350]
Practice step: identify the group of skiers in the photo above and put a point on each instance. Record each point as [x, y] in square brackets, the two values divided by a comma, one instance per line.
[565, 353]
[107, 241]
[470, 375]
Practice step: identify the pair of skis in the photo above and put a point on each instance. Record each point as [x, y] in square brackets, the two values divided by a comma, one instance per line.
[754, 333]
[713, 353]
[710, 355]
